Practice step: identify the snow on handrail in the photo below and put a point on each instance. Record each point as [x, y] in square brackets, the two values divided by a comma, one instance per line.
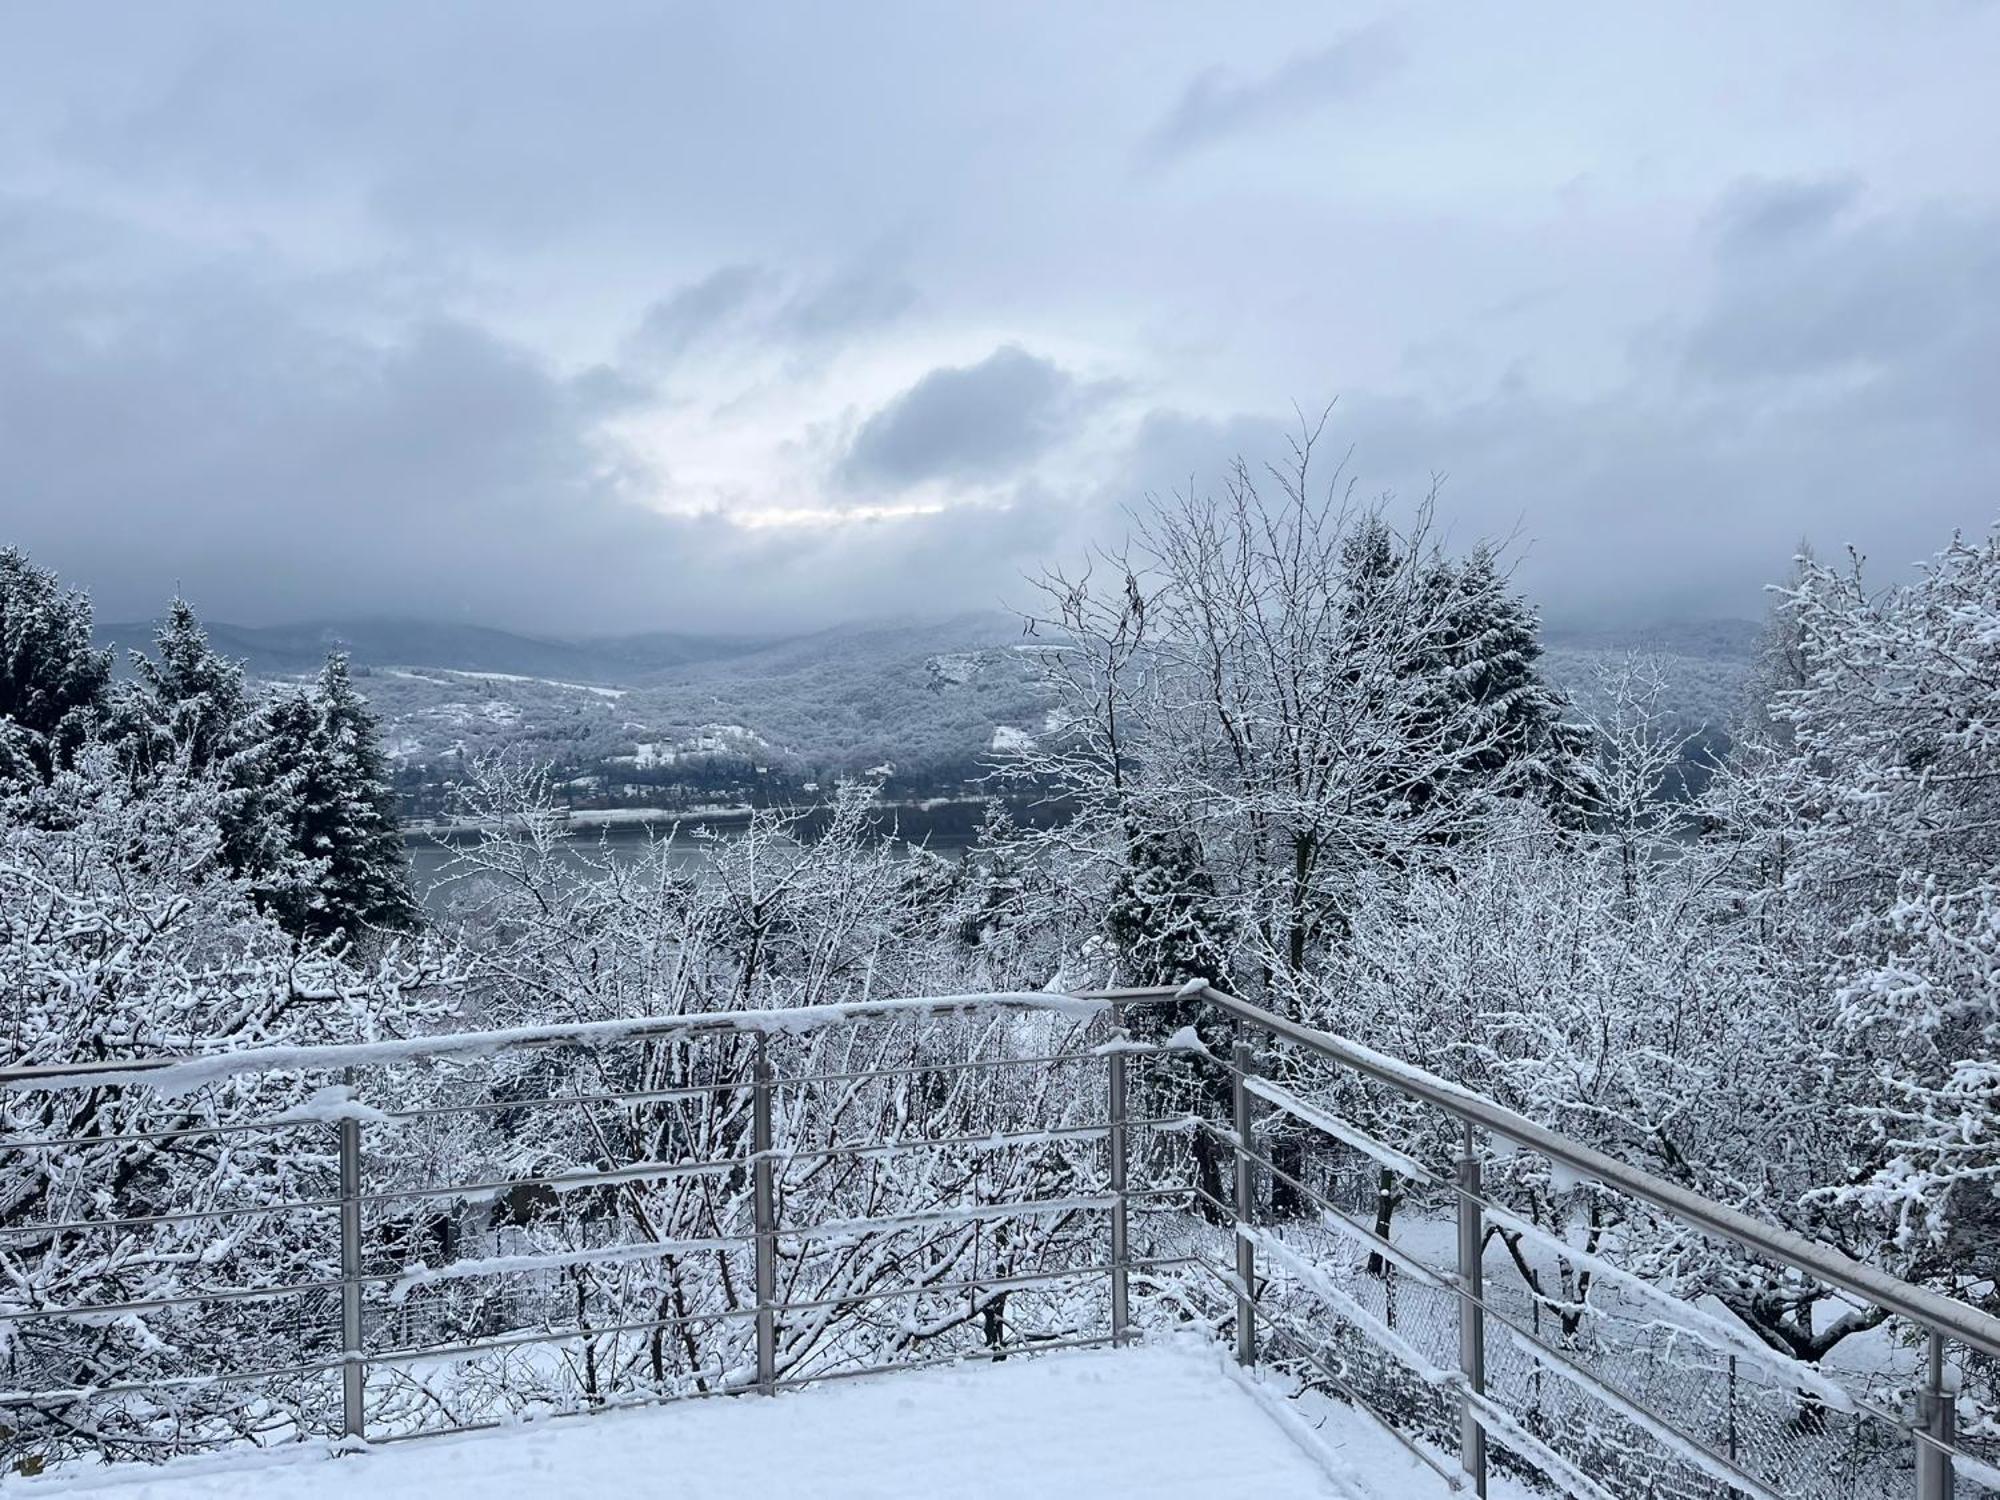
[170, 1076]
[1919, 1305]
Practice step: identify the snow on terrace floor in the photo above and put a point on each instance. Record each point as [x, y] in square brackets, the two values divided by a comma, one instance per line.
[1166, 1423]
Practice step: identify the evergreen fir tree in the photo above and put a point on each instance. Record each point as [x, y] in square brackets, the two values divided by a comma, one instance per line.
[329, 786]
[1163, 913]
[52, 682]
[194, 701]
[1169, 926]
[189, 713]
[1509, 721]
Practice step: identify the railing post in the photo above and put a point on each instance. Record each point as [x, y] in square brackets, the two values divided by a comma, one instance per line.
[1732, 1410]
[353, 1374]
[1121, 1307]
[1246, 1210]
[1936, 1416]
[1471, 1317]
[764, 1207]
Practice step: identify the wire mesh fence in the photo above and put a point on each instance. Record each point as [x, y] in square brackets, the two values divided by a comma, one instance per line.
[1386, 1274]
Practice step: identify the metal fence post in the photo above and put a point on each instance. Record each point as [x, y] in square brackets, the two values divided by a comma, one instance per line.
[353, 1374]
[1471, 1317]
[1732, 1410]
[1936, 1416]
[764, 1207]
[1121, 1306]
[1246, 1210]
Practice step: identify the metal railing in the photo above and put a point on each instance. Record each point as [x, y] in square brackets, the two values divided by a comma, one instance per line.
[1941, 1321]
[742, 1088]
[1408, 1338]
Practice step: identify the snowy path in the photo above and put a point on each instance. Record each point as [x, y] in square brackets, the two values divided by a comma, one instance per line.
[1164, 1423]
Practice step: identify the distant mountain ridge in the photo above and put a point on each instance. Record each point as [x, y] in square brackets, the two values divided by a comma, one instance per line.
[932, 696]
[1723, 640]
[290, 650]
[635, 660]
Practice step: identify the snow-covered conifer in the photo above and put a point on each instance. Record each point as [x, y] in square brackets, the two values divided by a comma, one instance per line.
[189, 713]
[328, 790]
[52, 680]
[123, 934]
[1514, 721]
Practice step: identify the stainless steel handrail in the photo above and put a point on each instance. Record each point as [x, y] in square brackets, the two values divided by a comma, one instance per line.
[1967, 1324]
[174, 1075]
[1940, 1317]
[192, 1071]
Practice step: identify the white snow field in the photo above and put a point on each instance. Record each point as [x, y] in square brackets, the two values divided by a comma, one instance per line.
[1164, 1422]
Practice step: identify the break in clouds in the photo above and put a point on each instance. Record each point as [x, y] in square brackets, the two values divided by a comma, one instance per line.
[686, 318]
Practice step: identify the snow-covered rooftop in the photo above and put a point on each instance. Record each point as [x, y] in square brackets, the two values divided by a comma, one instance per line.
[1168, 1423]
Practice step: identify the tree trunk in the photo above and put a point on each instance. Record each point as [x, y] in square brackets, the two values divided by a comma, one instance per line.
[1386, 1199]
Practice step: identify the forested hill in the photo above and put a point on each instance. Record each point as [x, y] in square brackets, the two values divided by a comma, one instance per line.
[1703, 661]
[634, 718]
[287, 650]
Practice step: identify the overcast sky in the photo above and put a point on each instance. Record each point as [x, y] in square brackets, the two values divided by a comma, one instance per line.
[595, 316]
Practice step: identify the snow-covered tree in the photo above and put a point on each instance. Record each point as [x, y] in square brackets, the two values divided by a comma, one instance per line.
[1163, 915]
[124, 934]
[188, 712]
[193, 701]
[1639, 745]
[52, 681]
[328, 795]
[1516, 727]
[776, 922]
[1896, 752]
[1286, 696]
[1780, 666]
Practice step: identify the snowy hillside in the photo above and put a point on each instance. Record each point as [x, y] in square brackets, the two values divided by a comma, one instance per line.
[621, 717]
[935, 699]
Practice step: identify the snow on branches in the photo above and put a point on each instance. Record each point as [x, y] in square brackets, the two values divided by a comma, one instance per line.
[1276, 696]
[1896, 729]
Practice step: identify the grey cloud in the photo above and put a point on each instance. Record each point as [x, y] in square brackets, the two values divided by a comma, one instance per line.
[1765, 213]
[856, 300]
[275, 383]
[1216, 104]
[218, 432]
[1629, 509]
[514, 128]
[749, 304]
[972, 422]
[698, 311]
[1854, 298]
[1838, 386]
[214, 430]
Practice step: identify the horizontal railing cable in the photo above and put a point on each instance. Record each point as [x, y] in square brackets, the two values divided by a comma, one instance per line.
[895, 1223]
[33, 1228]
[576, 1181]
[923, 1069]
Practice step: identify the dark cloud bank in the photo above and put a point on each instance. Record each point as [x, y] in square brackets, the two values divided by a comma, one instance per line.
[284, 438]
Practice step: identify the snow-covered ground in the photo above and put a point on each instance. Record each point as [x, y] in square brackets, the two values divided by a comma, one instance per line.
[1169, 1423]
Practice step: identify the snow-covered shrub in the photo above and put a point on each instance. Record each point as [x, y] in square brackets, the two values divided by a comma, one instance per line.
[774, 923]
[122, 935]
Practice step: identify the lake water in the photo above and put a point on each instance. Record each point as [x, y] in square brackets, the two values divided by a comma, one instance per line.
[948, 830]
